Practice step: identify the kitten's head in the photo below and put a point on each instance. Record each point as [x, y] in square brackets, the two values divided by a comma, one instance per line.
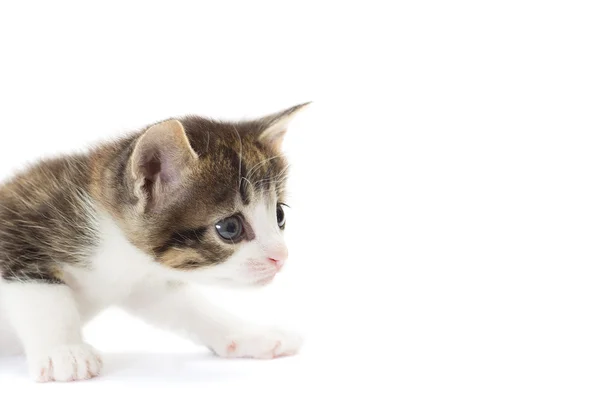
[209, 197]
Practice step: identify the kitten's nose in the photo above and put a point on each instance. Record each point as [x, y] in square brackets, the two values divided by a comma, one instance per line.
[278, 257]
[277, 263]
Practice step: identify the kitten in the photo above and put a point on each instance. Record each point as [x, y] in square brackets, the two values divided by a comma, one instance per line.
[137, 223]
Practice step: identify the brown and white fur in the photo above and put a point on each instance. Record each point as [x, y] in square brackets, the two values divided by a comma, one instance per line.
[132, 223]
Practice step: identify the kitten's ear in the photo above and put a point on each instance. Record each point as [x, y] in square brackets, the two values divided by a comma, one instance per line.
[160, 162]
[275, 126]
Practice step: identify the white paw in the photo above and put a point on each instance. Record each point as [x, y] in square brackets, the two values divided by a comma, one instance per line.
[66, 363]
[265, 344]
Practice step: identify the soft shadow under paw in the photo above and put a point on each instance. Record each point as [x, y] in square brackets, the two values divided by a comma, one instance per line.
[186, 367]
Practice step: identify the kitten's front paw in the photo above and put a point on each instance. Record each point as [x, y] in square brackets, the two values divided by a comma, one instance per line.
[66, 363]
[267, 344]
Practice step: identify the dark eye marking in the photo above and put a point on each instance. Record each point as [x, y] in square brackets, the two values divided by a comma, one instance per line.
[189, 238]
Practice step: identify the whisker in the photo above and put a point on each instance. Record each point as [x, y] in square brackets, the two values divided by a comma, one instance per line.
[240, 156]
[257, 165]
[248, 181]
[280, 177]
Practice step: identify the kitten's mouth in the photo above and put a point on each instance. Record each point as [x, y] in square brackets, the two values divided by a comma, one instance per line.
[264, 274]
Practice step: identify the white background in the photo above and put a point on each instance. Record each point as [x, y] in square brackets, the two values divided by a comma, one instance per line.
[445, 222]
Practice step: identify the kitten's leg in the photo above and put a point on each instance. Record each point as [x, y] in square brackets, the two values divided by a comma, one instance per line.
[47, 322]
[180, 308]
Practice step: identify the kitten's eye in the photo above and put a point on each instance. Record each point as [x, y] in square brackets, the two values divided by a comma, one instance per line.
[231, 229]
[280, 216]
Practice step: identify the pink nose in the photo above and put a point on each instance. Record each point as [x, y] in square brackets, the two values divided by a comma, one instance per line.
[278, 258]
[277, 262]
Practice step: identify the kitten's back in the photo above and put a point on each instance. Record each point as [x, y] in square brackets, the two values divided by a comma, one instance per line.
[46, 213]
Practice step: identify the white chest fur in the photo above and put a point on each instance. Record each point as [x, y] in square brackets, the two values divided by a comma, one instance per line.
[116, 269]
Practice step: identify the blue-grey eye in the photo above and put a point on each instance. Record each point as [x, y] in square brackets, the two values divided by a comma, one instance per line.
[280, 216]
[231, 229]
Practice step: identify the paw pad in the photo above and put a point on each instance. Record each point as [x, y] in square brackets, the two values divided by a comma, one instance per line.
[232, 347]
